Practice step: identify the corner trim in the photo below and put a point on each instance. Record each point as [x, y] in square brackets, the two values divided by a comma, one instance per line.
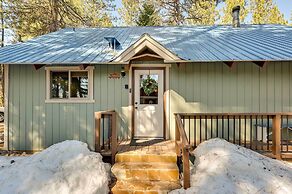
[6, 107]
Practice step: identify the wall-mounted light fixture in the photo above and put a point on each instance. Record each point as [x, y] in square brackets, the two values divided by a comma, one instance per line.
[123, 72]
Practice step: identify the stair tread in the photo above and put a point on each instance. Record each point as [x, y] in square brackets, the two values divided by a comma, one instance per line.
[145, 165]
[156, 158]
[145, 185]
[150, 152]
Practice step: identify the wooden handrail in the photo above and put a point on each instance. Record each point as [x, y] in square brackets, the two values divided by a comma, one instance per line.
[113, 132]
[182, 132]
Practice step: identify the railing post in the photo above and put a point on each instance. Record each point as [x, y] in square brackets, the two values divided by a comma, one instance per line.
[114, 137]
[177, 138]
[276, 137]
[97, 117]
[186, 168]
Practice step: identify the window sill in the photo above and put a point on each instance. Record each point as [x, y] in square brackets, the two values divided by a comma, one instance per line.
[69, 101]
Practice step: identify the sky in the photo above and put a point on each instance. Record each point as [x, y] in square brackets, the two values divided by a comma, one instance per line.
[285, 7]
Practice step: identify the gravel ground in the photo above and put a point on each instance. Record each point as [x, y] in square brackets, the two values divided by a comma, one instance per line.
[4, 152]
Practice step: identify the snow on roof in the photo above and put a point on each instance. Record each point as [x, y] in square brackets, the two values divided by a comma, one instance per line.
[191, 43]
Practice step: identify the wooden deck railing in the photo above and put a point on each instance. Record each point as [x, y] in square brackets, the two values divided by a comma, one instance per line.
[267, 133]
[182, 149]
[105, 133]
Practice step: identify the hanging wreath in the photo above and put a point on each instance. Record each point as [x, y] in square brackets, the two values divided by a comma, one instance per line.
[149, 85]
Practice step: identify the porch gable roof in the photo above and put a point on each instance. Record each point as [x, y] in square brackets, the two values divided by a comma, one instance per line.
[146, 42]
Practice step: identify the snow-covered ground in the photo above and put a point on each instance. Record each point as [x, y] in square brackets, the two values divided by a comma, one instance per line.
[222, 167]
[67, 167]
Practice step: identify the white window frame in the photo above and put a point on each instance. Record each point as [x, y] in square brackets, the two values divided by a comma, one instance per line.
[70, 69]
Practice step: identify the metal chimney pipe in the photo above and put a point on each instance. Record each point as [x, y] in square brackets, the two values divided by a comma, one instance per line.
[235, 15]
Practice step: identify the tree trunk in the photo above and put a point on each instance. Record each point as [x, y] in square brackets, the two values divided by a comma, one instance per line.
[54, 8]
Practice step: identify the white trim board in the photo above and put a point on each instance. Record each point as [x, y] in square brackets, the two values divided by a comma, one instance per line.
[166, 95]
[6, 107]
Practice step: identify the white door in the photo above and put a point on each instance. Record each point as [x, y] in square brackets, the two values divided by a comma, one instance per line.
[148, 103]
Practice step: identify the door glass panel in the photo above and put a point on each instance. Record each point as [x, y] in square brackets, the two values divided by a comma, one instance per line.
[149, 89]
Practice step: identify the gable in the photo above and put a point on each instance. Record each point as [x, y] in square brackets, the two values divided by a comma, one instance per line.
[147, 47]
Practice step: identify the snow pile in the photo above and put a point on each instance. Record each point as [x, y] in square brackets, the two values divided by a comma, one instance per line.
[67, 167]
[222, 167]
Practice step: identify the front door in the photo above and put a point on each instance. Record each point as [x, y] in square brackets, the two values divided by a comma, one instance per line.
[148, 103]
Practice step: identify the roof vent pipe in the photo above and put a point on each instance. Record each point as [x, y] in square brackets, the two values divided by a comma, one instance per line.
[235, 15]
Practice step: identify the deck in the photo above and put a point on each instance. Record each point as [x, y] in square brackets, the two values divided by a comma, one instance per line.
[147, 147]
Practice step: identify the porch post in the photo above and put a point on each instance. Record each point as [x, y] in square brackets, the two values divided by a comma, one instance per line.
[177, 139]
[97, 117]
[186, 168]
[276, 136]
[114, 136]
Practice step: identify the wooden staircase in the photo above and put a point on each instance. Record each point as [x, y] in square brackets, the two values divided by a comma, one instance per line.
[146, 171]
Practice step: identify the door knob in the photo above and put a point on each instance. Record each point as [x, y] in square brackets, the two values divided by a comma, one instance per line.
[136, 107]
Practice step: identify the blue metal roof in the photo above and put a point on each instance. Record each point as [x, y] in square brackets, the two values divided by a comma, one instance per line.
[191, 43]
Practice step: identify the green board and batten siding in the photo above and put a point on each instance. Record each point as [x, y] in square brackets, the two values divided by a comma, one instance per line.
[214, 87]
[200, 87]
[34, 124]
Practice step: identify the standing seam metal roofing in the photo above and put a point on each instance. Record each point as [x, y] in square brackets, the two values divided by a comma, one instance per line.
[190, 43]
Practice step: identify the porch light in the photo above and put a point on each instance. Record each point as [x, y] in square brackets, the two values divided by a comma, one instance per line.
[123, 73]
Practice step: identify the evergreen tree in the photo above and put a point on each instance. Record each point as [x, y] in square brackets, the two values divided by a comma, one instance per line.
[227, 11]
[177, 12]
[129, 12]
[173, 11]
[266, 12]
[32, 18]
[202, 12]
[148, 15]
[2, 22]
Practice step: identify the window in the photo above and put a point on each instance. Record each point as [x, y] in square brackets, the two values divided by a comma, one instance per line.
[148, 89]
[69, 84]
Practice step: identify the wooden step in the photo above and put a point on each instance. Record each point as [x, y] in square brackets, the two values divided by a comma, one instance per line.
[146, 171]
[138, 157]
[143, 186]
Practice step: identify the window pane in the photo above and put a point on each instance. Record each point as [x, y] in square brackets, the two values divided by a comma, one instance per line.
[148, 89]
[59, 85]
[79, 84]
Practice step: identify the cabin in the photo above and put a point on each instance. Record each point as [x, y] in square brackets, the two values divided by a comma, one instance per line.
[125, 89]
